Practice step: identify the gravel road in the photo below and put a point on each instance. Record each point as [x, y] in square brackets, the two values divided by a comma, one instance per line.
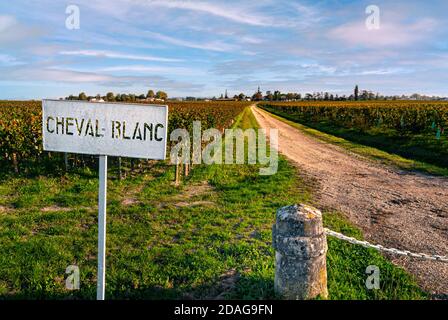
[399, 209]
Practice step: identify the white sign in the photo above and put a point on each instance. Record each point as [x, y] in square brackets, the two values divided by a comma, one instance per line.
[104, 129]
[126, 130]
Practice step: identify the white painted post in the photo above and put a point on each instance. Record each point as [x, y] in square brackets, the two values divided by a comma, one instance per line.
[101, 277]
[66, 161]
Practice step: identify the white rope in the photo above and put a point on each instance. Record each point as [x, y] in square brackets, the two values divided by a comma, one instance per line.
[379, 247]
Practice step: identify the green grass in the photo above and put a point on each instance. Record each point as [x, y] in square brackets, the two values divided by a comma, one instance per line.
[209, 237]
[417, 152]
[347, 263]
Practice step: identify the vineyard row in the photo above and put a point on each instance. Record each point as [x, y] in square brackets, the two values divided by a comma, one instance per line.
[21, 126]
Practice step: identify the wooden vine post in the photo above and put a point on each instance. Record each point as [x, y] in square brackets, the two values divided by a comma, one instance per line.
[177, 174]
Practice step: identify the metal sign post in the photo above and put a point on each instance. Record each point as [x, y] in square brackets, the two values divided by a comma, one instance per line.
[102, 198]
[106, 129]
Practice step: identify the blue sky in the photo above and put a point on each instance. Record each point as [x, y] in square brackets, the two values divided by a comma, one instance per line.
[202, 48]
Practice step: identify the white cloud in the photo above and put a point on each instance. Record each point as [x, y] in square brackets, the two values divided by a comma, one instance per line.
[226, 12]
[384, 71]
[56, 75]
[116, 55]
[6, 22]
[389, 34]
[12, 31]
[212, 46]
[151, 69]
[7, 60]
[250, 39]
[318, 69]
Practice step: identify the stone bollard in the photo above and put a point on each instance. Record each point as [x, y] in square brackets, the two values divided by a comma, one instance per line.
[300, 247]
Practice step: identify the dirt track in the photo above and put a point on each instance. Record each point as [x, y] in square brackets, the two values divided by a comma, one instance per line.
[394, 208]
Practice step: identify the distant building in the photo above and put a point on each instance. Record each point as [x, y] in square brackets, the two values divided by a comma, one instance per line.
[225, 97]
[96, 100]
[258, 96]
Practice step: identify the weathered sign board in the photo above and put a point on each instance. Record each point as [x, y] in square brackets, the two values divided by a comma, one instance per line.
[126, 130]
[104, 129]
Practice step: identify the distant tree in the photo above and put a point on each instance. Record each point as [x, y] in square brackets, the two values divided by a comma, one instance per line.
[82, 96]
[241, 96]
[142, 96]
[364, 95]
[277, 95]
[356, 93]
[150, 94]
[161, 95]
[110, 96]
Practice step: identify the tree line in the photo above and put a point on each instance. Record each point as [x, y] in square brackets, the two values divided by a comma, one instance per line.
[315, 96]
[123, 97]
[357, 95]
